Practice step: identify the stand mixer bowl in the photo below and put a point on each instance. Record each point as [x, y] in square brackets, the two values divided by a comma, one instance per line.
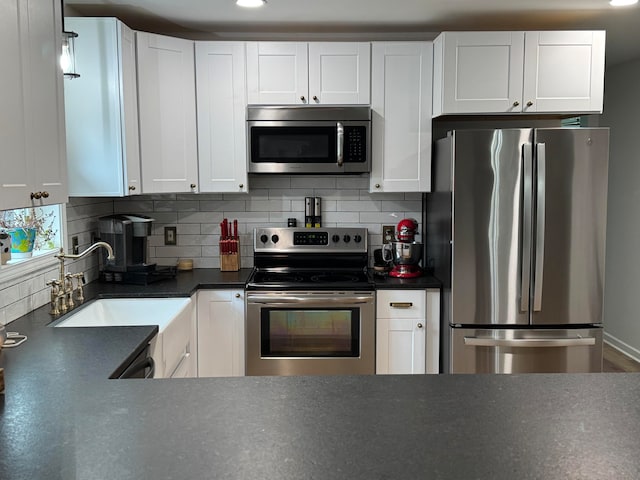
[402, 253]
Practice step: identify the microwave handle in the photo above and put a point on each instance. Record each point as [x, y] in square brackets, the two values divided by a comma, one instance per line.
[340, 146]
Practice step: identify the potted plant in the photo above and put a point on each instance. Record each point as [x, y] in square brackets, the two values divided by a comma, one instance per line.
[28, 228]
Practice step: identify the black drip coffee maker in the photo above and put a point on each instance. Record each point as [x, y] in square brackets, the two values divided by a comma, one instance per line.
[127, 234]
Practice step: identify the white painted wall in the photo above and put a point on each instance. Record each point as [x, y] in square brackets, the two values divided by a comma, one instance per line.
[622, 288]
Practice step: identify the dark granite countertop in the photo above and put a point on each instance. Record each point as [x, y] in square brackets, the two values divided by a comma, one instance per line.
[62, 418]
[425, 281]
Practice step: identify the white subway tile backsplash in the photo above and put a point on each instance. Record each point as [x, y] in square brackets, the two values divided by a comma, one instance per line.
[312, 183]
[271, 201]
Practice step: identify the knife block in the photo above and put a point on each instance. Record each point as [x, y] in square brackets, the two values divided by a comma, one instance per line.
[229, 255]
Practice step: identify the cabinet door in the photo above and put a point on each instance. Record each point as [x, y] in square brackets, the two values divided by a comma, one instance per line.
[401, 331]
[220, 333]
[167, 113]
[400, 346]
[32, 129]
[339, 73]
[221, 106]
[401, 117]
[102, 111]
[277, 73]
[478, 72]
[564, 71]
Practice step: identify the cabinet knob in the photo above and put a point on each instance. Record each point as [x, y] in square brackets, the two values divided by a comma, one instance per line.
[132, 188]
[36, 195]
[241, 185]
[237, 295]
[303, 99]
[529, 103]
[45, 194]
[516, 103]
[315, 98]
[377, 185]
[193, 185]
[419, 325]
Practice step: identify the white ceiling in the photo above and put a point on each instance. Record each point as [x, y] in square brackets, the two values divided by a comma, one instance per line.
[370, 19]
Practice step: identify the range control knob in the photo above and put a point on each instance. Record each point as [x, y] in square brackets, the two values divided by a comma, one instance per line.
[335, 238]
[275, 238]
[346, 238]
[357, 238]
[264, 238]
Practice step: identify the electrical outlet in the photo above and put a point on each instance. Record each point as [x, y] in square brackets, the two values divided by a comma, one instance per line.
[74, 245]
[388, 233]
[170, 234]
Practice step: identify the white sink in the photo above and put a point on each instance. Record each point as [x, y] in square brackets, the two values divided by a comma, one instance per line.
[170, 349]
[122, 312]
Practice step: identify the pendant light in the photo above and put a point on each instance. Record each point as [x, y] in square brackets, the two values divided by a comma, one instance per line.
[68, 56]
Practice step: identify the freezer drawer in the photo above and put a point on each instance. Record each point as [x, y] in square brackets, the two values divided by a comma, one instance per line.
[526, 350]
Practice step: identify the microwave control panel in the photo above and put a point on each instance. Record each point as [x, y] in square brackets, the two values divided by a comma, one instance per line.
[355, 144]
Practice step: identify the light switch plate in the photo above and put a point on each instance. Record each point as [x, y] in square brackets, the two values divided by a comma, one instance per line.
[170, 235]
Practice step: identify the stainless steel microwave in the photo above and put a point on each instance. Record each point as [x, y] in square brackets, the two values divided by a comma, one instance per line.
[309, 139]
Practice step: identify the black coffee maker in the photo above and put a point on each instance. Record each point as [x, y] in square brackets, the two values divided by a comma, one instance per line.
[127, 234]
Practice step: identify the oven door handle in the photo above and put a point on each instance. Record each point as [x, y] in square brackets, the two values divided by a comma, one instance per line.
[277, 300]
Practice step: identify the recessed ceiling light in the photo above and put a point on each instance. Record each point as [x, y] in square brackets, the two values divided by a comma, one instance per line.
[254, 3]
[622, 3]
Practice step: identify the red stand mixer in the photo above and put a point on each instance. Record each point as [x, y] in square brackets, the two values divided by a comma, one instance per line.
[405, 253]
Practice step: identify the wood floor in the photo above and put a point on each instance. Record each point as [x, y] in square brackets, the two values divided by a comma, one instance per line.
[616, 361]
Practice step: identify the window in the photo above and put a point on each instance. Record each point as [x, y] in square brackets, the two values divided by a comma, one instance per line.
[29, 233]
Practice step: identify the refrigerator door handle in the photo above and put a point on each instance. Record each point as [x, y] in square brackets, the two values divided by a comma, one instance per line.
[540, 221]
[525, 256]
[529, 342]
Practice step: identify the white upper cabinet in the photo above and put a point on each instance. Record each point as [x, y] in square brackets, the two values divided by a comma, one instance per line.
[401, 75]
[167, 113]
[564, 71]
[221, 106]
[339, 73]
[518, 72]
[32, 133]
[313, 73]
[102, 111]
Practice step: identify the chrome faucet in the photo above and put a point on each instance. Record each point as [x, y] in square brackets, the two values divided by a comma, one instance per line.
[62, 289]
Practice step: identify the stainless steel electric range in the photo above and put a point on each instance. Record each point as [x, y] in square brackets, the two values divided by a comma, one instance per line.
[310, 303]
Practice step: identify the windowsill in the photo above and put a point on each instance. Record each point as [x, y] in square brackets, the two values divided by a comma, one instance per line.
[19, 268]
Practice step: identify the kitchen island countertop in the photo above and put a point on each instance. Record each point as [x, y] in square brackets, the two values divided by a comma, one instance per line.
[62, 418]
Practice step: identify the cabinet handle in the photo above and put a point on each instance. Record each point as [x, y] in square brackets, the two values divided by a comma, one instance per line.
[529, 103]
[132, 188]
[237, 295]
[419, 325]
[303, 99]
[45, 194]
[193, 185]
[315, 98]
[36, 195]
[241, 185]
[401, 304]
[377, 185]
[516, 103]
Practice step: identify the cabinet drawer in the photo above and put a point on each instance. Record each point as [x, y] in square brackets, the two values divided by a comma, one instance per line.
[217, 295]
[401, 303]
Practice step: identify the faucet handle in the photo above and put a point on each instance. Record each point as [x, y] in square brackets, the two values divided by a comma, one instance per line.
[80, 283]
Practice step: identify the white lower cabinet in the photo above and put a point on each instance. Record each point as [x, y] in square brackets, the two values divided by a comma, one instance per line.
[407, 331]
[220, 333]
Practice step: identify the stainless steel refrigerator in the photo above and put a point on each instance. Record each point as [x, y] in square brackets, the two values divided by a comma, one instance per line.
[516, 229]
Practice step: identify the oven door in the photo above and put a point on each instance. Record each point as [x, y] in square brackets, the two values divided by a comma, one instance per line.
[308, 146]
[307, 333]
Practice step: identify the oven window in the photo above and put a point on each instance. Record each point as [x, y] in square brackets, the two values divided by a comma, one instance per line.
[310, 332]
[293, 144]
